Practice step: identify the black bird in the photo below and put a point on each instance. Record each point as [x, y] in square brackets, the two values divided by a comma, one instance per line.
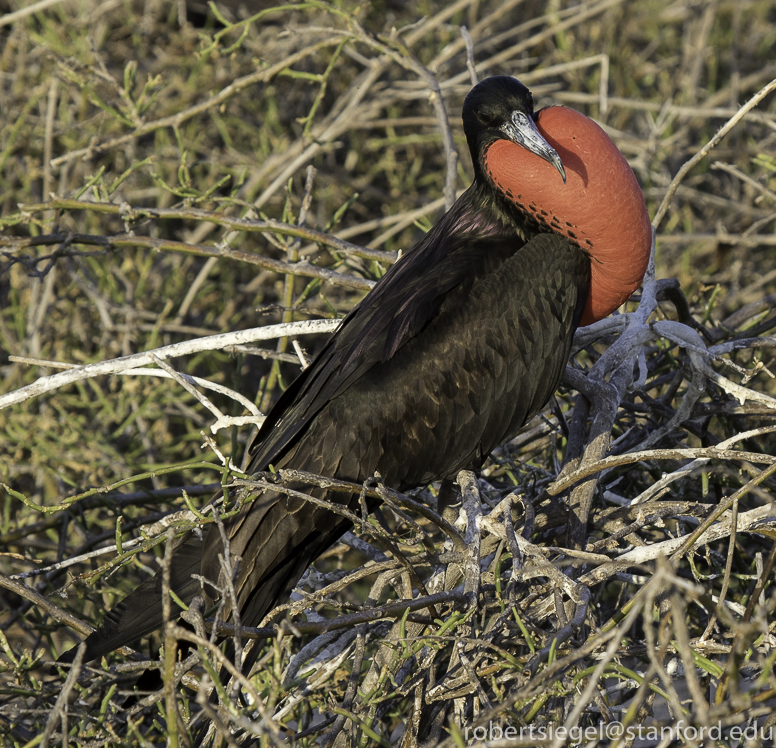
[461, 342]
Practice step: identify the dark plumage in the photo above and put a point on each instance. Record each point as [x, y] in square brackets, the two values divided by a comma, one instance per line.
[459, 344]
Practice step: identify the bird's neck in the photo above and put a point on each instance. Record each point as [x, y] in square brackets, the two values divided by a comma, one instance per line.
[480, 213]
[495, 214]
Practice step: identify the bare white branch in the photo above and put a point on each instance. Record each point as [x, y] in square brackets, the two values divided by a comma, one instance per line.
[211, 343]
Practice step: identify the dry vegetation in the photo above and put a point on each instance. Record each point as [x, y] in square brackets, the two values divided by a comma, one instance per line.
[166, 178]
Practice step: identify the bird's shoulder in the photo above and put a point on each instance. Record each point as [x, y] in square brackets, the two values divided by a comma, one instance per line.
[466, 244]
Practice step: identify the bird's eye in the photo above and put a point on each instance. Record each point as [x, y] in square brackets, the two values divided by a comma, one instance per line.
[487, 118]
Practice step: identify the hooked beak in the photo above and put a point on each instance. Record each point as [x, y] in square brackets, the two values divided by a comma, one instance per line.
[521, 129]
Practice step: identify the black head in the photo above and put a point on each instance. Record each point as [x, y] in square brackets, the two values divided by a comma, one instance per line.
[501, 107]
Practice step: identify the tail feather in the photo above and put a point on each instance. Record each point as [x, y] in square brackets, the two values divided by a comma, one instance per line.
[141, 612]
[276, 538]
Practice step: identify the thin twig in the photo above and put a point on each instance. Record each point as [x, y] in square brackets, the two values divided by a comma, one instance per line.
[703, 152]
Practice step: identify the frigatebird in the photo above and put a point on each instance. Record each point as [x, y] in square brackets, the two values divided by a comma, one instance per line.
[457, 346]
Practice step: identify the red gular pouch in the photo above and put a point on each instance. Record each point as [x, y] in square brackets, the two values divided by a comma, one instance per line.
[601, 207]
